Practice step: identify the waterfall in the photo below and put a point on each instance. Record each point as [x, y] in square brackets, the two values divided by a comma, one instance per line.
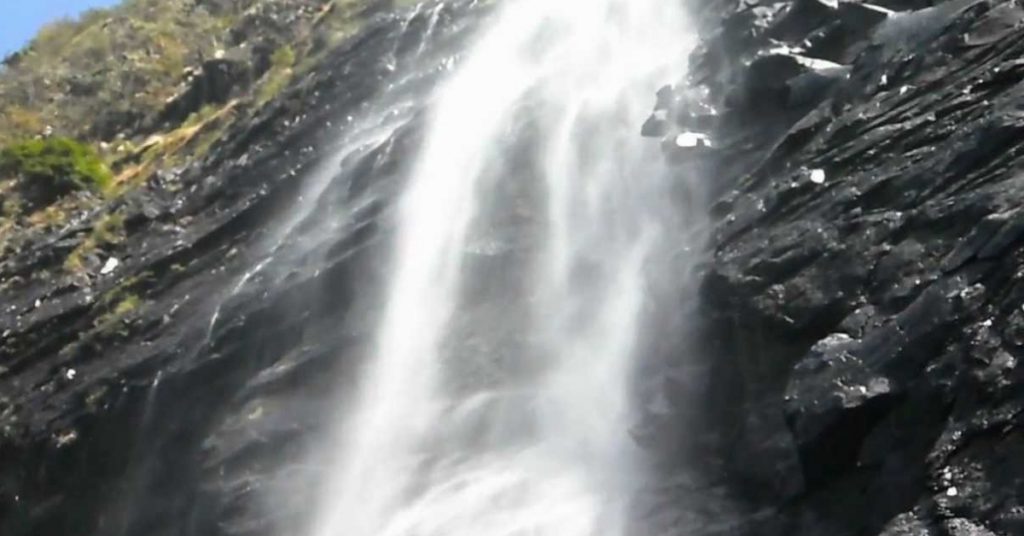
[530, 232]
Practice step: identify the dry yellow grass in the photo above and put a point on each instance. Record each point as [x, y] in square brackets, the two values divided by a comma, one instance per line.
[192, 139]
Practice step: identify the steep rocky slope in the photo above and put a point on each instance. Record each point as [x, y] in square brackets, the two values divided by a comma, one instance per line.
[864, 295]
[141, 92]
[171, 391]
[857, 370]
[146, 64]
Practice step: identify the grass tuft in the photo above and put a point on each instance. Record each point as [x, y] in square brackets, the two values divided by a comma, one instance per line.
[58, 160]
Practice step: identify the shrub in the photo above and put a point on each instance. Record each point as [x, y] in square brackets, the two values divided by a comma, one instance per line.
[113, 321]
[279, 75]
[283, 58]
[107, 230]
[62, 162]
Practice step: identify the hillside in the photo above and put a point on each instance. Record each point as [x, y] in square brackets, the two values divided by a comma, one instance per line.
[146, 88]
[133, 260]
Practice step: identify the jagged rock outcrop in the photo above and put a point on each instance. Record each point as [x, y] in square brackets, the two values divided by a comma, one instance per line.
[863, 299]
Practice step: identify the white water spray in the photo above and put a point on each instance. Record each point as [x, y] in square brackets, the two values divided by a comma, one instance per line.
[437, 442]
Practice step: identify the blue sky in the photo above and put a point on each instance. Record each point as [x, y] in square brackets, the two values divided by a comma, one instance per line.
[21, 19]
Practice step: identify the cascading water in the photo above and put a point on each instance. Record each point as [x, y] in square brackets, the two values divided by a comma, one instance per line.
[497, 398]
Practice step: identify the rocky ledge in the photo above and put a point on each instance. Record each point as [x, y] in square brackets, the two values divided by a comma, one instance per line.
[864, 299]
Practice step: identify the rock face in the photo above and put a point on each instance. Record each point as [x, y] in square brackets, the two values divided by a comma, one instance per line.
[178, 383]
[863, 300]
[214, 83]
[856, 370]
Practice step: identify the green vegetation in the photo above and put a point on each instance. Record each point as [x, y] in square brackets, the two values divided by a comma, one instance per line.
[336, 21]
[126, 306]
[193, 139]
[112, 71]
[98, 104]
[120, 304]
[111, 322]
[108, 230]
[10, 208]
[279, 75]
[283, 57]
[56, 159]
[83, 77]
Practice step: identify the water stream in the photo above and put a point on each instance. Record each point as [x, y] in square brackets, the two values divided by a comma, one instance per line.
[532, 235]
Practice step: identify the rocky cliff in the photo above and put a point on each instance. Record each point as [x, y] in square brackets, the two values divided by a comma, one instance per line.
[863, 296]
[856, 368]
[174, 379]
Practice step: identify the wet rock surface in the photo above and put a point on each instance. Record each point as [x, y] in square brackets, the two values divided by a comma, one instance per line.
[179, 380]
[862, 306]
[863, 299]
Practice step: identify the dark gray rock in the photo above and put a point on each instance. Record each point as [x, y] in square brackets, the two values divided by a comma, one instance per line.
[214, 82]
[858, 367]
[865, 272]
[175, 416]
